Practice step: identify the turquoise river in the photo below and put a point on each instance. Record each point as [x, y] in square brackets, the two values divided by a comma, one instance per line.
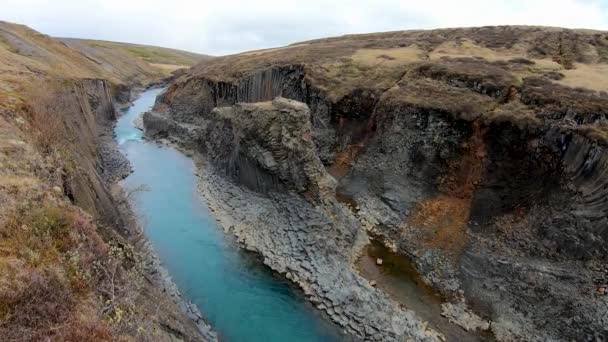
[242, 299]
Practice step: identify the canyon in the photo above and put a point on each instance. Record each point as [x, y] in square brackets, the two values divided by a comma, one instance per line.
[476, 154]
[423, 185]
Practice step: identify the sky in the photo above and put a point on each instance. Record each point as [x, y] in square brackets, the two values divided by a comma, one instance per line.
[220, 27]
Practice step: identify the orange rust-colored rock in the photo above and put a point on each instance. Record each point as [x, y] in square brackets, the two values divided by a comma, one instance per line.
[444, 219]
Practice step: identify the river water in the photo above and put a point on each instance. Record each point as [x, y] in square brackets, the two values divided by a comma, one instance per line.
[242, 299]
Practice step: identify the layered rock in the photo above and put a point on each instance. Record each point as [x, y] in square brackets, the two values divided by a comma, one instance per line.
[281, 204]
[267, 146]
[493, 215]
[468, 154]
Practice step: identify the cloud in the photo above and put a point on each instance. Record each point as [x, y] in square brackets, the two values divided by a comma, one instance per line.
[222, 27]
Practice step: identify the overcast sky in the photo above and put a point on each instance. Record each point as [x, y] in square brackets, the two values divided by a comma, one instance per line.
[227, 26]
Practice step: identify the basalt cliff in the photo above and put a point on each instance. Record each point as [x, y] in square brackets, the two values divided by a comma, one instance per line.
[479, 154]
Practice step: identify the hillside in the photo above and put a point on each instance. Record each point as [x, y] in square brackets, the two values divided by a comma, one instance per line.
[25, 52]
[478, 154]
[109, 53]
[73, 263]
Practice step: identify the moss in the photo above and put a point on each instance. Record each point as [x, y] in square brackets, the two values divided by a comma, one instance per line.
[96, 44]
[152, 55]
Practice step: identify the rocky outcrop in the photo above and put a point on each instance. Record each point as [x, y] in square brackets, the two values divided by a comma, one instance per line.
[267, 146]
[313, 247]
[199, 97]
[161, 127]
[87, 108]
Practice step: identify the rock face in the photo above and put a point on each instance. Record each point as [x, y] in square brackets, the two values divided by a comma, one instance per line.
[267, 146]
[199, 97]
[281, 188]
[88, 107]
[465, 152]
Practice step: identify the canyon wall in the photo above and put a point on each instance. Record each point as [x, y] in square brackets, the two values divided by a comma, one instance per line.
[497, 208]
[83, 112]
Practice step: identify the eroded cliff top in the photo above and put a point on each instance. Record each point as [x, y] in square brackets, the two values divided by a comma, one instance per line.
[533, 74]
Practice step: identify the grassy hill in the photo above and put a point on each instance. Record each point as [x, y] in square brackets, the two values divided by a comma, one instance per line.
[28, 56]
[161, 58]
[25, 52]
[379, 60]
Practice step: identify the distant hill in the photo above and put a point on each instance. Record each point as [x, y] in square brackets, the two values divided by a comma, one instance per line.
[163, 58]
[24, 52]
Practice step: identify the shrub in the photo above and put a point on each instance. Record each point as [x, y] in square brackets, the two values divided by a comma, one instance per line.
[46, 106]
[37, 309]
[521, 60]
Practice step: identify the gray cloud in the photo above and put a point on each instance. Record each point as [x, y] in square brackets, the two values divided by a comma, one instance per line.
[217, 27]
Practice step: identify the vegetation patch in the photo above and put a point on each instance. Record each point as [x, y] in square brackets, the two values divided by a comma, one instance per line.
[97, 44]
[6, 45]
[475, 74]
[468, 48]
[431, 94]
[594, 77]
[395, 56]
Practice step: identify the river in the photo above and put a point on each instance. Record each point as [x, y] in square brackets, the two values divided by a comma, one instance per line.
[241, 298]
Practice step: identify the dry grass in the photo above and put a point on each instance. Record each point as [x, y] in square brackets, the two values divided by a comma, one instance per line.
[46, 104]
[60, 281]
[168, 68]
[492, 61]
[432, 94]
[152, 54]
[29, 53]
[594, 77]
[343, 77]
[468, 48]
[478, 75]
[554, 101]
[389, 57]
[263, 51]
[38, 300]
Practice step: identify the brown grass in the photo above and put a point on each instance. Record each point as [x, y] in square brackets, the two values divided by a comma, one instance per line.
[554, 101]
[477, 75]
[168, 68]
[594, 77]
[72, 58]
[46, 104]
[59, 280]
[468, 48]
[394, 56]
[40, 298]
[436, 95]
